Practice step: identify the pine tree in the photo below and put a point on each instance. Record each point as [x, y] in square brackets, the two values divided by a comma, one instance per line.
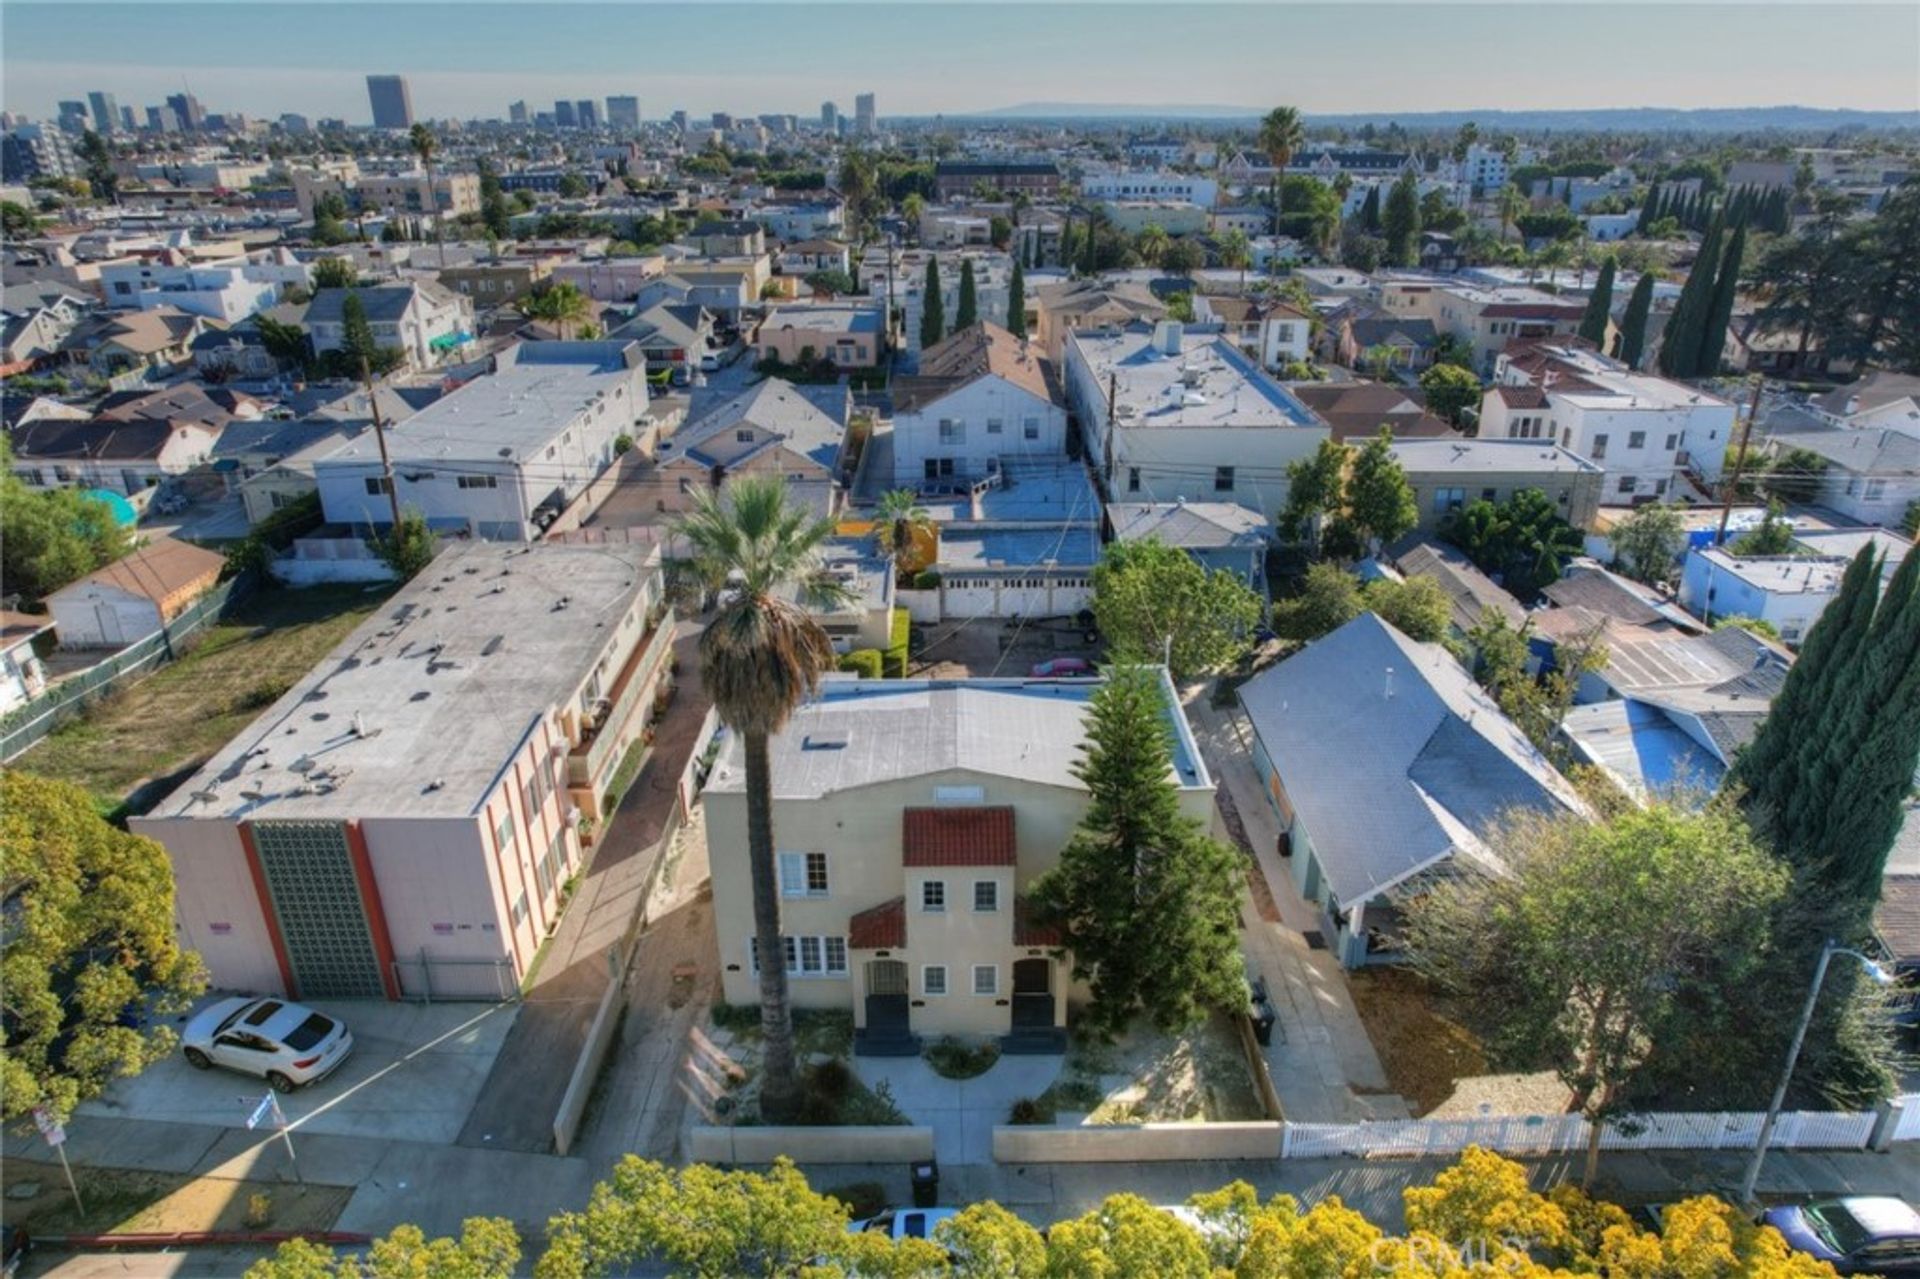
[356, 335]
[933, 319]
[1017, 302]
[1633, 326]
[1720, 308]
[965, 315]
[1148, 905]
[1593, 324]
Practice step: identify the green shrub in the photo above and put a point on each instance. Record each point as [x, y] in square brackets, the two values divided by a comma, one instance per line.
[736, 1017]
[926, 579]
[953, 1058]
[864, 662]
[1030, 1110]
[902, 629]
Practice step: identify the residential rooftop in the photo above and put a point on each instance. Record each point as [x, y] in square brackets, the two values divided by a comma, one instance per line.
[987, 546]
[1483, 456]
[823, 318]
[1780, 574]
[1208, 383]
[859, 733]
[415, 712]
[536, 389]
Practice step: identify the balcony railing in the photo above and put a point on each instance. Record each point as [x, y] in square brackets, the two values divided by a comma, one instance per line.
[589, 762]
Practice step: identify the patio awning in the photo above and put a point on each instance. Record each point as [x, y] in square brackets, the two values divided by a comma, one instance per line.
[448, 341]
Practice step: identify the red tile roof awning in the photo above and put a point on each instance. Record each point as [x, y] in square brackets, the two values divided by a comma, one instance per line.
[882, 927]
[1028, 933]
[958, 837]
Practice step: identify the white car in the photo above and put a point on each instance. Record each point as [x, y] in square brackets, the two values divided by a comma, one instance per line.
[285, 1043]
[905, 1223]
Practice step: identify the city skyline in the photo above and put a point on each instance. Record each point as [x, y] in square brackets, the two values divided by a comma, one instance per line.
[1567, 57]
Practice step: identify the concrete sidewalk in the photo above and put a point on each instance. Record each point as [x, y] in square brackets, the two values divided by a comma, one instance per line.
[516, 1106]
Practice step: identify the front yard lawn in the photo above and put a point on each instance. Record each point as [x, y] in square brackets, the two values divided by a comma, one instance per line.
[185, 711]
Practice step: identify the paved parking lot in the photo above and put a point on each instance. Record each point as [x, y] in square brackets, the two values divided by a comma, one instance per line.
[414, 1074]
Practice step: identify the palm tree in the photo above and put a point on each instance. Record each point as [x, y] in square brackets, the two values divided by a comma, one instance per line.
[760, 657]
[910, 210]
[899, 524]
[1235, 252]
[1512, 205]
[1281, 134]
[562, 305]
[421, 139]
[1151, 244]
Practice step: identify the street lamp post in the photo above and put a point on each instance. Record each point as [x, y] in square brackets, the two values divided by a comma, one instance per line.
[1827, 952]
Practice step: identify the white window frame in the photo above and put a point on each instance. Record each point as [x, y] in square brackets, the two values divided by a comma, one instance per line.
[826, 948]
[992, 973]
[992, 907]
[929, 890]
[796, 874]
[926, 989]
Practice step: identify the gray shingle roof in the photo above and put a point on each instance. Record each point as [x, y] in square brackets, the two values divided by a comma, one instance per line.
[807, 423]
[1393, 758]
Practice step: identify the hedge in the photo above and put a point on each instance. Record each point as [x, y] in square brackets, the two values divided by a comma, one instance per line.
[926, 579]
[864, 662]
[897, 645]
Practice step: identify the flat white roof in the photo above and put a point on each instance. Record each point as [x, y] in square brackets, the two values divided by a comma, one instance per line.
[1473, 455]
[415, 712]
[1209, 384]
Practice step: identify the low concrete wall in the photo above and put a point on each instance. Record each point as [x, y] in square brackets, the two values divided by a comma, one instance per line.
[1257, 1063]
[921, 606]
[1134, 1143]
[877, 1145]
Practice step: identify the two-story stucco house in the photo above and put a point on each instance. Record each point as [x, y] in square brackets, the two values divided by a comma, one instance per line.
[910, 816]
[423, 320]
[772, 428]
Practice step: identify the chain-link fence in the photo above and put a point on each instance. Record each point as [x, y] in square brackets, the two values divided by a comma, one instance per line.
[27, 724]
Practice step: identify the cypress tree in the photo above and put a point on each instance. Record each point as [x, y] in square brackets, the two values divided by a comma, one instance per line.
[933, 318]
[1633, 326]
[1017, 302]
[1713, 337]
[1648, 207]
[1593, 324]
[1771, 770]
[1680, 343]
[966, 314]
[1370, 209]
[1090, 251]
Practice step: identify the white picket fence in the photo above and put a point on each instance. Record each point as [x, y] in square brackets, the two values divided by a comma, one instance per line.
[1548, 1134]
[1907, 1126]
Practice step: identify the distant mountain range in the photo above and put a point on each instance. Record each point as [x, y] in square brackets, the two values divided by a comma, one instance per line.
[1618, 119]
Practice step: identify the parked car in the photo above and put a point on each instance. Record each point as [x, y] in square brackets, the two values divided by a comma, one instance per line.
[1055, 667]
[1857, 1235]
[905, 1223]
[285, 1043]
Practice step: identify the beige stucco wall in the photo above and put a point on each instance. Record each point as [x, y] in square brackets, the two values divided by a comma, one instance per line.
[854, 1145]
[215, 903]
[860, 830]
[1134, 1143]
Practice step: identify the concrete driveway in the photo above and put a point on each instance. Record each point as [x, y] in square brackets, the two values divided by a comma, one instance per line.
[414, 1074]
[221, 520]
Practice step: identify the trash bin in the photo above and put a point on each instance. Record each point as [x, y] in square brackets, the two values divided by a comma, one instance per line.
[1263, 1019]
[926, 1184]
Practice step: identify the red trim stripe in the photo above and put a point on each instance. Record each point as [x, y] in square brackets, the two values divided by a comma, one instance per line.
[376, 911]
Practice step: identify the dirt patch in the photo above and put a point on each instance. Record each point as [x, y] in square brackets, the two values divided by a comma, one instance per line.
[1198, 1076]
[122, 1201]
[183, 712]
[1424, 1053]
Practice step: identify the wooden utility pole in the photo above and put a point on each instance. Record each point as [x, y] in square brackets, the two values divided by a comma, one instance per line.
[380, 437]
[1739, 461]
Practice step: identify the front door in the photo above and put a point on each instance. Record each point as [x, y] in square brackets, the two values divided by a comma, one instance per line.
[1032, 994]
[887, 1016]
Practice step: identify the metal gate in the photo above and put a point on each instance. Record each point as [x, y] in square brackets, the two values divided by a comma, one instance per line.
[316, 899]
[888, 1016]
[1032, 994]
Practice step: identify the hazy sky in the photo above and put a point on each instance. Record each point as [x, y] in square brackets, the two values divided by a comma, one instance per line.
[472, 58]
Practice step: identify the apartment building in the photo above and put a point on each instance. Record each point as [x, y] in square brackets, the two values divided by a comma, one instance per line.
[1643, 429]
[401, 823]
[501, 457]
[1187, 188]
[913, 816]
[981, 399]
[423, 320]
[1168, 413]
[1446, 475]
[1485, 320]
